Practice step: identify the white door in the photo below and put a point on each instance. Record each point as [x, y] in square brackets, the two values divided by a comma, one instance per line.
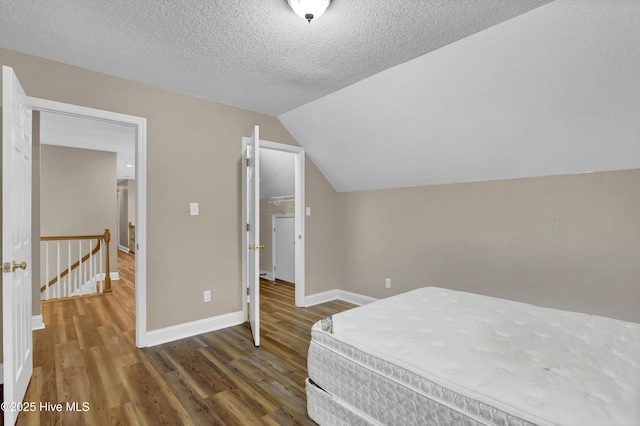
[285, 249]
[16, 241]
[251, 236]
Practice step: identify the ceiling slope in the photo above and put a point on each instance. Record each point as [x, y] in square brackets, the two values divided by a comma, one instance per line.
[254, 54]
[554, 91]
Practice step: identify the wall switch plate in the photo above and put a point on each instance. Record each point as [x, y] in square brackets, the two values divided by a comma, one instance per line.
[207, 296]
[308, 211]
[194, 209]
[387, 282]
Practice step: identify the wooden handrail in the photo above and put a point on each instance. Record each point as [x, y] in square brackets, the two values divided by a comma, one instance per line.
[107, 275]
[75, 237]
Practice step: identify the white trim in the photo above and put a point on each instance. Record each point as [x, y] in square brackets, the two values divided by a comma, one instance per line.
[330, 295]
[123, 248]
[193, 328]
[267, 275]
[1, 374]
[355, 298]
[115, 276]
[318, 298]
[141, 194]
[37, 323]
[118, 216]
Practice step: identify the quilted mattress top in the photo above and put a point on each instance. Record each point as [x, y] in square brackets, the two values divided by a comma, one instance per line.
[543, 365]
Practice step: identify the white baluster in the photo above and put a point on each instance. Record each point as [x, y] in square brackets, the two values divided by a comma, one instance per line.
[69, 266]
[58, 268]
[46, 268]
[102, 278]
[91, 269]
[80, 266]
[77, 273]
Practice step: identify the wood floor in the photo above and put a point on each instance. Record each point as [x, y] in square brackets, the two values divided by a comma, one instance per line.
[87, 354]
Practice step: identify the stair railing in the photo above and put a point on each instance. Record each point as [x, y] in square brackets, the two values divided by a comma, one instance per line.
[87, 271]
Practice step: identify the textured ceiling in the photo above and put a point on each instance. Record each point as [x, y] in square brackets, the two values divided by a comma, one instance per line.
[255, 54]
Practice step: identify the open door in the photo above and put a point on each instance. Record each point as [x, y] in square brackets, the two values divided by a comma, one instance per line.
[251, 235]
[16, 243]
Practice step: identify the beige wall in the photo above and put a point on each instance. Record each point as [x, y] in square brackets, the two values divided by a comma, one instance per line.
[78, 193]
[569, 242]
[193, 154]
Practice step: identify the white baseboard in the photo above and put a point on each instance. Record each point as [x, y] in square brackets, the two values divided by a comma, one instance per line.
[267, 275]
[318, 298]
[328, 296]
[37, 323]
[181, 331]
[115, 276]
[355, 298]
[123, 248]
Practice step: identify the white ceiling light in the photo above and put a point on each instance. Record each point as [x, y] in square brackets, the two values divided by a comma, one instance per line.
[309, 9]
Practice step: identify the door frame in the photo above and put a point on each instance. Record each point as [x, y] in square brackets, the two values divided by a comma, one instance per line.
[299, 193]
[140, 124]
[274, 246]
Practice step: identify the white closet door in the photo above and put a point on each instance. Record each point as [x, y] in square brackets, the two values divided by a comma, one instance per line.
[285, 249]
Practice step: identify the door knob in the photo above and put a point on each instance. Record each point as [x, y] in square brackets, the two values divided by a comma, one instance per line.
[22, 265]
[8, 267]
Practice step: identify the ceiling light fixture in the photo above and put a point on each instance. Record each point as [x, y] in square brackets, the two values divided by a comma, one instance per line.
[309, 9]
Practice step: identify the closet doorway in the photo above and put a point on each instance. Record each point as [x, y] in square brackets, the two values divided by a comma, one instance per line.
[277, 214]
[266, 173]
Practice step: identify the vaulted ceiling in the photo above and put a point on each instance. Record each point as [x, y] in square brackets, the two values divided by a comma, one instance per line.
[555, 91]
[381, 93]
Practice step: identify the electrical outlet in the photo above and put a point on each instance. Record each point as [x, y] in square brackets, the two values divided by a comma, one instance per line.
[207, 296]
[387, 282]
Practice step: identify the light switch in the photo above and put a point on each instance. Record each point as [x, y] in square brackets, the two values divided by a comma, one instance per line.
[193, 207]
[308, 211]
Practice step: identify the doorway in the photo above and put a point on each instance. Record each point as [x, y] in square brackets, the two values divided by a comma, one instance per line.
[140, 128]
[298, 156]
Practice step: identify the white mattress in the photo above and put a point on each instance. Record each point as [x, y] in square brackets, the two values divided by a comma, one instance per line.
[437, 356]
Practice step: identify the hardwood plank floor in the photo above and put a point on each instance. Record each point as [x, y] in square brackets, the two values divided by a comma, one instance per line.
[87, 354]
